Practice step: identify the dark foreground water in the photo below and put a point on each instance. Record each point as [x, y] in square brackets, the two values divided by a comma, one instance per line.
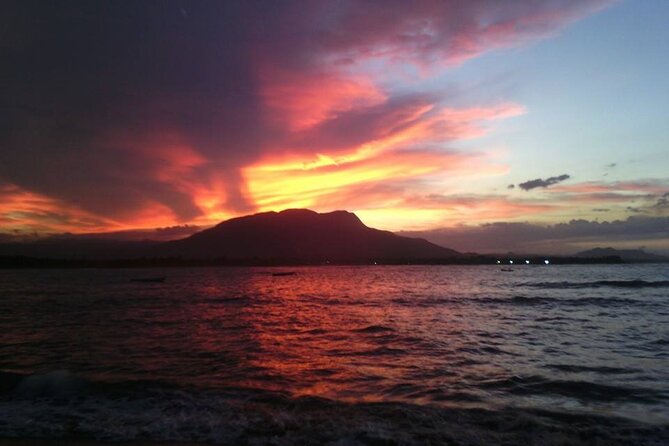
[545, 355]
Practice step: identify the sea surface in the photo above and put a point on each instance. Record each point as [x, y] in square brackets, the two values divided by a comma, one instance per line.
[378, 355]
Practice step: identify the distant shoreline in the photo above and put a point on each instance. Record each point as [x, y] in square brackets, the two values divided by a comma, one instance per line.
[22, 262]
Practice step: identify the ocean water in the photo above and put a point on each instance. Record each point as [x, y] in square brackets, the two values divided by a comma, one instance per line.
[458, 355]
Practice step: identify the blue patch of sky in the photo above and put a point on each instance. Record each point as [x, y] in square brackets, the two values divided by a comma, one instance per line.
[596, 93]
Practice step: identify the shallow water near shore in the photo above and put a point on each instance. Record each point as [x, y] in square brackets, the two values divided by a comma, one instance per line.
[338, 355]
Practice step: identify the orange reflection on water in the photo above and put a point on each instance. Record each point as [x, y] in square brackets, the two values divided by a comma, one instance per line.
[321, 333]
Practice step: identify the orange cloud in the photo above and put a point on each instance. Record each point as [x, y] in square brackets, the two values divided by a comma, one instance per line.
[303, 100]
[354, 178]
[169, 160]
[280, 186]
[424, 212]
[25, 211]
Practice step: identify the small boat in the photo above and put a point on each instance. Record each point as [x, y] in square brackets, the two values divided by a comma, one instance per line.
[149, 280]
[285, 273]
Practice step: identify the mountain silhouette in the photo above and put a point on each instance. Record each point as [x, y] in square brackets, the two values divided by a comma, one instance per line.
[302, 234]
[627, 255]
[293, 236]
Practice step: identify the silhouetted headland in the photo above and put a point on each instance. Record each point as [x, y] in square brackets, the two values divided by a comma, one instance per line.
[627, 255]
[301, 234]
[290, 237]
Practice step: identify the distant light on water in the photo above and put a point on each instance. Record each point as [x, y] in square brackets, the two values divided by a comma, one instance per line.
[527, 262]
[547, 262]
[499, 261]
[511, 262]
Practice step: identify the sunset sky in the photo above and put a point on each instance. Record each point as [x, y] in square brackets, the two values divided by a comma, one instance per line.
[450, 118]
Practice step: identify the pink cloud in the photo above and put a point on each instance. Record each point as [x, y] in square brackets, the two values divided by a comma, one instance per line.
[301, 100]
[437, 32]
[644, 187]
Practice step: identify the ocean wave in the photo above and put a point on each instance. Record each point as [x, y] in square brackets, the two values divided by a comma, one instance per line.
[579, 301]
[421, 393]
[660, 341]
[571, 368]
[63, 385]
[249, 416]
[374, 329]
[485, 350]
[636, 283]
[582, 390]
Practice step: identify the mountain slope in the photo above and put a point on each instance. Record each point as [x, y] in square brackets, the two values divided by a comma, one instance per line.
[304, 235]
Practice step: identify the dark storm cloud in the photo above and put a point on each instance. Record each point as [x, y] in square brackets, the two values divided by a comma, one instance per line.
[91, 84]
[533, 184]
[663, 201]
[128, 108]
[559, 238]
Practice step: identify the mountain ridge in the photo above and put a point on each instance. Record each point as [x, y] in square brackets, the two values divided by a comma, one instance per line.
[292, 235]
[627, 255]
[302, 234]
